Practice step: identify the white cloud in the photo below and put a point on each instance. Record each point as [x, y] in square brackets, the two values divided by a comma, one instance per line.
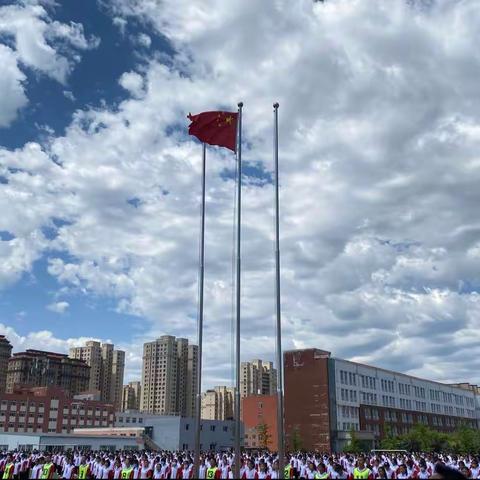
[33, 40]
[11, 85]
[68, 94]
[144, 40]
[58, 307]
[133, 82]
[379, 173]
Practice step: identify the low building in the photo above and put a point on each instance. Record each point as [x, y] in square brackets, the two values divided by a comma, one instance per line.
[63, 442]
[326, 398]
[178, 433]
[50, 410]
[259, 417]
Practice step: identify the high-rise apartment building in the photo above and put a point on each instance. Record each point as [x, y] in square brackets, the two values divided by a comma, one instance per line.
[131, 396]
[192, 370]
[5, 354]
[218, 403]
[169, 376]
[37, 368]
[257, 378]
[106, 369]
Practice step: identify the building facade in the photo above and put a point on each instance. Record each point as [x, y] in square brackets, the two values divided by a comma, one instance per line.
[326, 398]
[37, 368]
[178, 433]
[49, 410]
[131, 396]
[5, 354]
[257, 378]
[218, 403]
[169, 373]
[259, 417]
[107, 367]
[53, 442]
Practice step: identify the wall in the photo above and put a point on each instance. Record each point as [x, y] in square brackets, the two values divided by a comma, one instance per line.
[307, 412]
[67, 441]
[260, 409]
[215, 434]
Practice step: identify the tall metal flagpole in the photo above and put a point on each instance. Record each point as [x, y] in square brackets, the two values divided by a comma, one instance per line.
[237, 343]
[280, 429]
[198, 402]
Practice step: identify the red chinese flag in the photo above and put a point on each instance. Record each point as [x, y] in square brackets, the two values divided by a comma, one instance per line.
[215, 128]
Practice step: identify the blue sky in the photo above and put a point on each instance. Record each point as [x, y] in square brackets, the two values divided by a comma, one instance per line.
[379, 172]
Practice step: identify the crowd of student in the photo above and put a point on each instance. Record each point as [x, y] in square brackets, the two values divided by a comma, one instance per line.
[258, 465]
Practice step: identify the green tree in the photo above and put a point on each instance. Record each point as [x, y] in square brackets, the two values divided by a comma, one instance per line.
[354, 445]
[296, 441]
[264, 436]
[465, 440]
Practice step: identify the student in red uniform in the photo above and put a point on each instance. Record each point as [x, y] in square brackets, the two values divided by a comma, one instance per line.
[175, 470]
[36, 468]
[145, 470]
[250, 472]
[69, 469]
[187, 469]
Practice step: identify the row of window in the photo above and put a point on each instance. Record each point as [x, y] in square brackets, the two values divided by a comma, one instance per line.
[388, 401]
[349, 412]
[348, 378]
[128, 420]
[405, 403]
[404, 389]
[368, 397]
[347, 426]
[348, 395]
[371, 413]
[368, 382]
[388, 385]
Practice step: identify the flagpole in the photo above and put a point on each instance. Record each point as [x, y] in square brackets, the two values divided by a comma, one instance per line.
[280, 421]
[198, 403]
[237, 332]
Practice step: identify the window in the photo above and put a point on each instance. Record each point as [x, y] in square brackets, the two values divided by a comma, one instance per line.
[187, 426]
[225, 428]
[212, 428]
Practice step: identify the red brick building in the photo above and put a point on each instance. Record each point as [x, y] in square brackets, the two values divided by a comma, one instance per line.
[307, 408]
[260, 410]
[50, 410]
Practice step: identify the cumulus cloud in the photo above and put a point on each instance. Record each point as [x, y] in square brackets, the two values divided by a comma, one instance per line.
[58, 307]
[379, 114]
[30, 38]
[133, 82]
[11, 85]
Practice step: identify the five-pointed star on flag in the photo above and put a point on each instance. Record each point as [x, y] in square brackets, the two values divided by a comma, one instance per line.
[227, 120]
